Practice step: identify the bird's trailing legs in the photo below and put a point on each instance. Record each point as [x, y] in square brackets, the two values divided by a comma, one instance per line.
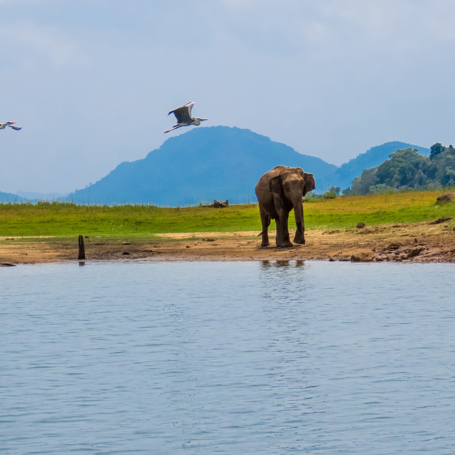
[172, 129]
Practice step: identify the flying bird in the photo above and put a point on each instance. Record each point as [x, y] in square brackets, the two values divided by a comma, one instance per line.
[10, 124]
[184, 117]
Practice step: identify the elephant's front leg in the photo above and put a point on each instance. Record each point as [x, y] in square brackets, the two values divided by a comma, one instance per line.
[300, 234]
[265, 220]
[282, 231]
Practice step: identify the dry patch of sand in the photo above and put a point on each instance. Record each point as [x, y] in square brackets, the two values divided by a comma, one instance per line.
[199, 235]
[418, 242]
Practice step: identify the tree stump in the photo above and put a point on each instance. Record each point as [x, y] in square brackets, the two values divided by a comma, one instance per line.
[81, 248]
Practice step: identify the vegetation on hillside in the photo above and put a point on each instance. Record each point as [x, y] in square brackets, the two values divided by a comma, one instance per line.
[373, 157]
[68, 219]
[407, 169]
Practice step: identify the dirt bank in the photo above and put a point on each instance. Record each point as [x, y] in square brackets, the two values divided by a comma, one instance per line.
[419, 242]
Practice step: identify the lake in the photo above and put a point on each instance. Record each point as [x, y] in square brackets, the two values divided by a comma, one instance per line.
[227, 358]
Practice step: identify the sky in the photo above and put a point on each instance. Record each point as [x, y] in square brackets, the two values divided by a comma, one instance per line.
[91, 82]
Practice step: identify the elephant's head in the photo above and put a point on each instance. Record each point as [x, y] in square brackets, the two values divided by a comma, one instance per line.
[291, 184]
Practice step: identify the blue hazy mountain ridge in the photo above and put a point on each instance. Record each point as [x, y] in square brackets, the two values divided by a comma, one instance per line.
[218, 163]
[9, 197]
[201, 165]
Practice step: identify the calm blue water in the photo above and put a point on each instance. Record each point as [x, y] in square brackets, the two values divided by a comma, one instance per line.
[227, 358]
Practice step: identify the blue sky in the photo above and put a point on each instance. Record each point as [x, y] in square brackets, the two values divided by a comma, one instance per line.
[92, 81]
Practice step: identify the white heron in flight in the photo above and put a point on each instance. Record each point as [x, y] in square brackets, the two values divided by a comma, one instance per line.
[10, 124]
[184, 117]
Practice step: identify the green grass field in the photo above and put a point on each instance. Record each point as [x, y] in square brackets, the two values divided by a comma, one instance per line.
[66, 219]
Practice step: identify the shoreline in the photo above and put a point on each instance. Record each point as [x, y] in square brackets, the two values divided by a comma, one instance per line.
[425, 242]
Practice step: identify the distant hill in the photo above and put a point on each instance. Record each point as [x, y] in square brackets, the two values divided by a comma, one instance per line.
[9, 197]
[219, 163]
[204, 164]
[209, 163]
[373, 157]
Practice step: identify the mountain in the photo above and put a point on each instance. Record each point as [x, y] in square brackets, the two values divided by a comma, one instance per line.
[9, 197]
[219, 163]
[373, 157]
[210, 163]
[204, 164]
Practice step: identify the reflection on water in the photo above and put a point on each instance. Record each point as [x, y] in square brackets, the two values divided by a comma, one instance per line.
[279, 263]
[273, 357]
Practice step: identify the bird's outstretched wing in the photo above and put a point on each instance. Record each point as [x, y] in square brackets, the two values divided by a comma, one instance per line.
[17, 128]
[183, 113]
[190, 108]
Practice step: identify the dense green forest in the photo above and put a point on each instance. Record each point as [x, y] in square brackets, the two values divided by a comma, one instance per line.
[408, 169]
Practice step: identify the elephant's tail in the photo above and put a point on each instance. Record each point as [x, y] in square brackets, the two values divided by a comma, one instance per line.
[268, 224]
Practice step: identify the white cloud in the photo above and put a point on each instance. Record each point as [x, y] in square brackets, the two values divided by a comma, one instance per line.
[335, 77]
[41, 42]
[317, 33]
[383, 20]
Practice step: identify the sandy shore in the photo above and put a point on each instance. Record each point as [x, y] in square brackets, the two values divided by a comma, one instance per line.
[418, 242]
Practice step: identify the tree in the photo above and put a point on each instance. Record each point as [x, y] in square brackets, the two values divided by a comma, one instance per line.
[408, 169]
[361, 185]
[436, 149]
[382, 188]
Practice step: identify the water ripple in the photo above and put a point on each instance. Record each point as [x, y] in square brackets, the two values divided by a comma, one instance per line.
[274, 357]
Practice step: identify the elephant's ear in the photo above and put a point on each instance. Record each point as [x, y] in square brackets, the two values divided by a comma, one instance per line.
[310, 183]
[275, 185]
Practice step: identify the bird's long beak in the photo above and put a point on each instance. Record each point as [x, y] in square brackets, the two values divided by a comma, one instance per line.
[11, 123]
[202, 119]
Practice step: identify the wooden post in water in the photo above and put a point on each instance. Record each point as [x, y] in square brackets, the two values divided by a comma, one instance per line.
[81, 248]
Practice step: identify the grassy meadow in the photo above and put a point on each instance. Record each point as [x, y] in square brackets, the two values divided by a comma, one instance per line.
[67, 219]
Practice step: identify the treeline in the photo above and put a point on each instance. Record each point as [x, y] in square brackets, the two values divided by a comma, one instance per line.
[408, 169]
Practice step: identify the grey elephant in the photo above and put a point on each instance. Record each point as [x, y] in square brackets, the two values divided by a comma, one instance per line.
[279, 191]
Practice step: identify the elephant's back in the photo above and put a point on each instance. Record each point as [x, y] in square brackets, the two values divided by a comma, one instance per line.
[262, 187]
[270, 174]
[263, 183]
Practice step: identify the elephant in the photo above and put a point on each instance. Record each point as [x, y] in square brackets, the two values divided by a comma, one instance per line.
[279, 191]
